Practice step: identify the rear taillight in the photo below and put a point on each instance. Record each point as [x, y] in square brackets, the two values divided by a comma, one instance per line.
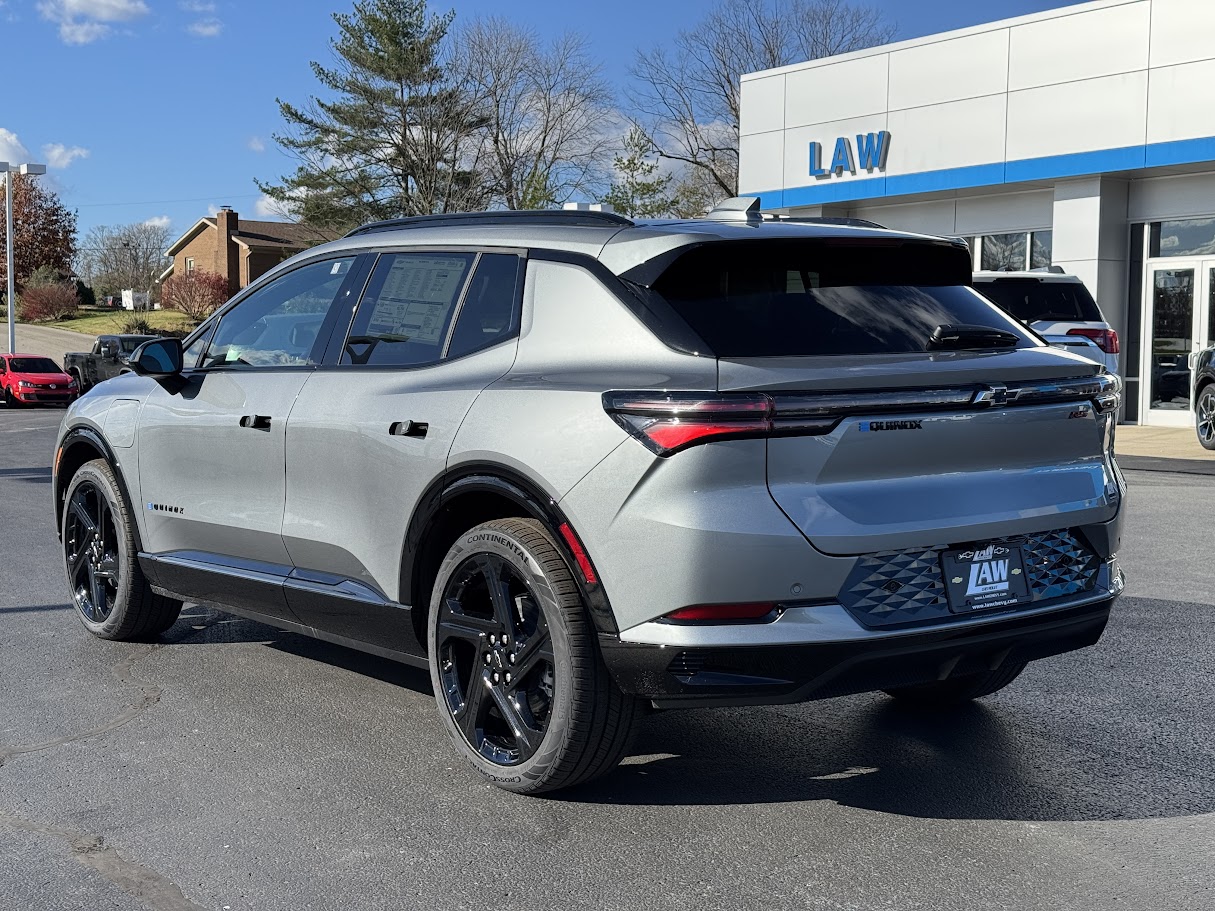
[1105, 339]
[750, 612]
[669, 422]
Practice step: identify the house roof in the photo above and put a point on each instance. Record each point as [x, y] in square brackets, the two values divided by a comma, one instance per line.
[252, 233]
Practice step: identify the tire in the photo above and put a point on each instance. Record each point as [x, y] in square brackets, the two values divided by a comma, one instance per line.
[9, 400]
[943, 693]
[1204, 416]
[548, 715]
[75, 374]
[112, 597]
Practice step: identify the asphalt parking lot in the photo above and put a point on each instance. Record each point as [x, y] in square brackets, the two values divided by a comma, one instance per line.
[233, 766]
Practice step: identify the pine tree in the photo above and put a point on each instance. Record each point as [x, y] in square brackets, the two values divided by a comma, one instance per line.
[398, 135]
[639, 191]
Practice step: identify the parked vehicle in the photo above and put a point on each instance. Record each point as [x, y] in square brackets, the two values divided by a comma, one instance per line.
[1055, 305]
[29, 378]
[107, 359]
[1204, 396]
[576, 465]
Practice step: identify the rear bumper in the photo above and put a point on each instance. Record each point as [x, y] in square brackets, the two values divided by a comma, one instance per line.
[688, 675]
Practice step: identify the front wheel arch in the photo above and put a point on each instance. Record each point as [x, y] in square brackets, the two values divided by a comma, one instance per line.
[80, 446]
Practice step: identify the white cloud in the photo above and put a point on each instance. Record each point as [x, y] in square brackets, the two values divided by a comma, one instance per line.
[205, 28]
[257, 144]
[197, 6]
[57, 155]
[269, 208]
[11, 149]
[159, 221]
[85, 21]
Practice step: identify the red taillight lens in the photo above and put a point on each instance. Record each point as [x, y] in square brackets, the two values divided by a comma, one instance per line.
[722, 613]
[1105, 339]
[669, 422]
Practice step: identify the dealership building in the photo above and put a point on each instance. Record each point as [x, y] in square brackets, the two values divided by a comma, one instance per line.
[1083, 137]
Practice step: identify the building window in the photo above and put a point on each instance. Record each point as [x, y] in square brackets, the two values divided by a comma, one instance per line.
[1014, 252]
[1184, 237]
[189, 264]
[1004, 252]
[1041, 246]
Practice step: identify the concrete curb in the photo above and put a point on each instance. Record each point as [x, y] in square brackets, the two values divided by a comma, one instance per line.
[1176, 466]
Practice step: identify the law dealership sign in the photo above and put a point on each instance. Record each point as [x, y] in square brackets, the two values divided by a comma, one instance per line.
[869, 155]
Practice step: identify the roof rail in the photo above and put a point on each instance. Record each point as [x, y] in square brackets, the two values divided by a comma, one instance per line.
[746, 208]
[571, 218]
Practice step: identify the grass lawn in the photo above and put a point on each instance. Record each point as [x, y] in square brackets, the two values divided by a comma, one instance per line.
[107, 322]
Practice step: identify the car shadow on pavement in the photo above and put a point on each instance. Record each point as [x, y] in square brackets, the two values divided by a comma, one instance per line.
[976, 761]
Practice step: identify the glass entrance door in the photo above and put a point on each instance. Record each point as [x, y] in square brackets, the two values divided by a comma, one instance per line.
[1176, 324]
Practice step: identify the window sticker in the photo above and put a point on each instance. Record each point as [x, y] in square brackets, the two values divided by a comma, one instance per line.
[417, 294]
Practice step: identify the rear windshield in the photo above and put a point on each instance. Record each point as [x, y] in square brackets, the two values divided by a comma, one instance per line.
[33, 365]
[807, 298]
[1032, 300]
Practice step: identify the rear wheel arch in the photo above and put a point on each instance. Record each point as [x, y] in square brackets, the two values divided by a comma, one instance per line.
[460, 501]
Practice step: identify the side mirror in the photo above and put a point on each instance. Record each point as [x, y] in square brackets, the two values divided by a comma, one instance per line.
[159, 357]
[107, 351]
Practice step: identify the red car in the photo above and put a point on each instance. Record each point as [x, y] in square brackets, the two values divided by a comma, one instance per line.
[34, 378]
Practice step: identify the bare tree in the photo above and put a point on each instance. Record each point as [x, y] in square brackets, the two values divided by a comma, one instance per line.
[114, 258]
[687, 97]
[542, 106]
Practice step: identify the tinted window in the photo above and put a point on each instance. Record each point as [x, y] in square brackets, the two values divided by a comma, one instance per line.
[277, 325]
[34, 365]
[1003, 252]
[488, 313]
[814, 298]
[129, 343]
[1030, 300]
[405, 313]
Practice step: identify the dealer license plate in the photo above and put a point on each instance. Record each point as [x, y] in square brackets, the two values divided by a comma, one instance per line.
[984, 577]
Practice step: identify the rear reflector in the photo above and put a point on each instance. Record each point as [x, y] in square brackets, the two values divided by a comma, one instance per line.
[576, 548]
[1105, 339]
[722, 613]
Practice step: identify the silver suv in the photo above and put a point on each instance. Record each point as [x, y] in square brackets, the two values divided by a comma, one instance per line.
[577, 465]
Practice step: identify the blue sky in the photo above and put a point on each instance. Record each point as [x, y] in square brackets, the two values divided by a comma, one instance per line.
[164, 109]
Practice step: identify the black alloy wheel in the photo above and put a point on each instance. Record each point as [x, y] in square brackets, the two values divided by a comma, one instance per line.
[91, 549]
[113, 598]
[496, 660]
[518, 676]
[1204, 417]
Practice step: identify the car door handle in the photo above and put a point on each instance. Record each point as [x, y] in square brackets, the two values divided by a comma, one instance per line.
[409, 429]
[256, 421]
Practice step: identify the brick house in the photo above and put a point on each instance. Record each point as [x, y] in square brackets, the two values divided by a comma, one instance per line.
[240, 249]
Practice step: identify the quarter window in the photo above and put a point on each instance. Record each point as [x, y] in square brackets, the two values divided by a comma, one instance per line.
[278, 325]
[488, 313]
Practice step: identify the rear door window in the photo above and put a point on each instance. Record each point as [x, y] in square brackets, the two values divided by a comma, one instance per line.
[407, 309]
[810, 297]
[1033, 300]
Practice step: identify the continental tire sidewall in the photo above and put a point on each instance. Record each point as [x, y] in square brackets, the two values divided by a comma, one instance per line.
[101, 476]
[490, 539]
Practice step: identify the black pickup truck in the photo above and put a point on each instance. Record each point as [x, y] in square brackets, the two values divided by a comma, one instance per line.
[108, 358]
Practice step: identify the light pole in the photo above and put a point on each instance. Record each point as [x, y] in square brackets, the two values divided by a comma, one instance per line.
[8, 170]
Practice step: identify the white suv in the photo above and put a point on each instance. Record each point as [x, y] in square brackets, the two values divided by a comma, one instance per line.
[1058, 307]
